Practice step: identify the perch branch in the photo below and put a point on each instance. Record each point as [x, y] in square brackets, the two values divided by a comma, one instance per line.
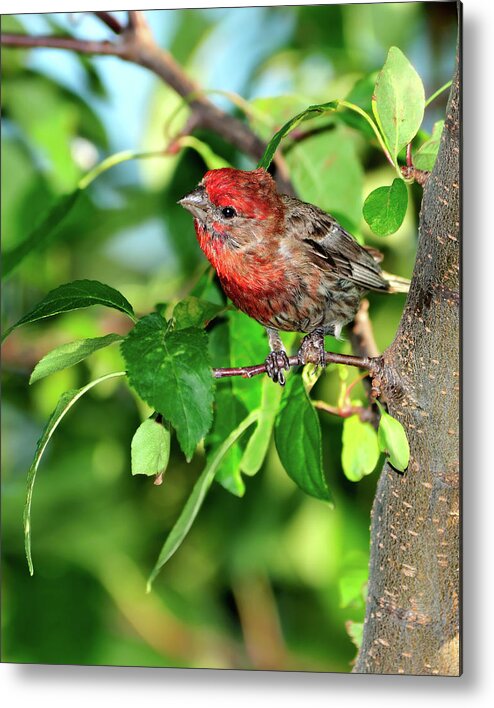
[110, 22]
[371, 364]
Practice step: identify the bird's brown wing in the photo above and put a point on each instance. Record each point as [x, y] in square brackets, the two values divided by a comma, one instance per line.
[328, 242]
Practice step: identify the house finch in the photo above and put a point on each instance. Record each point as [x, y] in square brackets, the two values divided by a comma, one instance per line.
[286, 263]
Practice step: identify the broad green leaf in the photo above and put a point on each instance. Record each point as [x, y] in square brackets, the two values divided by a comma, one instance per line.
[194, 502]
[69, 354]
[425, 157]
[393, 441]
[67, 400]
[248, 346]
[194, 312]
[399, 101]
[41, 233]
[74, 296]
[360, 95]
[352, 584]
[258, 444]
[297, 434]
[325, 170]
[360, 451]
[150, 448]
[171, 371]
[310, 112]
[385, 208]
[228, 414]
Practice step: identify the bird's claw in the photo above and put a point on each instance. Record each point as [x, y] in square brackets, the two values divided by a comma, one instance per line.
[275, 363]
[312, 350]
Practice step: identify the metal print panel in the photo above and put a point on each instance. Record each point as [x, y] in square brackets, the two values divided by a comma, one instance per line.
[231, 285]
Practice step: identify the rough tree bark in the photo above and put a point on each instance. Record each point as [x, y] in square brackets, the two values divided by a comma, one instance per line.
[412, 615]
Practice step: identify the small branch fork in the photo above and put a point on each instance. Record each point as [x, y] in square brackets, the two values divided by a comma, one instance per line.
[135, 44]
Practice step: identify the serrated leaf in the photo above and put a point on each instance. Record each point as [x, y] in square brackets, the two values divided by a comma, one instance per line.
[41, 233]
[194, 502]
[150, 448]
[393, 441]
[67, 400]
[425, 157]
[310, 112]
[385, 208]
[171, 371]
[399, 101]
[75, 296]
[360, 451]
[69, 354]
[194, 312]
[297, 435]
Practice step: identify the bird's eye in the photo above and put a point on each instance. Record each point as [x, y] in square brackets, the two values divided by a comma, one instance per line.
[228, 212]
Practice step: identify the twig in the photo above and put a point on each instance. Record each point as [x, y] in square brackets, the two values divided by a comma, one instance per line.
[411, 172]
[247, 372]
[136, 45]
[362, 336]
[110, 22]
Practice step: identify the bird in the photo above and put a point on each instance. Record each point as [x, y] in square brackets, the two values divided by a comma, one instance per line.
[286, 263]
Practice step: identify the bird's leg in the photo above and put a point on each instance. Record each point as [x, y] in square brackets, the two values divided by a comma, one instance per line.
[312, 349]
[277, 359]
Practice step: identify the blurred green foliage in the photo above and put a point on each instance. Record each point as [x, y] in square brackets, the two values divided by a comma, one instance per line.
[268, 580]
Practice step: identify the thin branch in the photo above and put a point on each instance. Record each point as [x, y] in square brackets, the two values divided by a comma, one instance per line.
[373, 365]
[110, 22]
[365, 414]
[136, 45]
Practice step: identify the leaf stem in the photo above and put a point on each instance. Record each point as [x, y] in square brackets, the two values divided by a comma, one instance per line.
[366, 116]
[438, 93]
[113, 160]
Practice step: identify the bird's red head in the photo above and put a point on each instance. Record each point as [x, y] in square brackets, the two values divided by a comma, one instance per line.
[253, 194]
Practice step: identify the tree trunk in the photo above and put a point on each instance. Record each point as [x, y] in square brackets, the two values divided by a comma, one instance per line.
[412, 615]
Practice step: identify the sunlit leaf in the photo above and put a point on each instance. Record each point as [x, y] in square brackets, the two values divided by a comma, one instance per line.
[425, 157]
[360, 451]
[194, 312]
[399, 101]
[150, 448]
[69, 354]
[74, 296]
[393, 441]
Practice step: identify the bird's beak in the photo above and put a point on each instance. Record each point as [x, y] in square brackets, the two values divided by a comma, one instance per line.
[196, 202]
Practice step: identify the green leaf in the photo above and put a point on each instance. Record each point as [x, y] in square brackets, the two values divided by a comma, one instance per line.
[326, 170]
[297, 435]
[150, 448]
[393, 441]
[425, 157]
[67, 400]
[309, 112]
[355, 632]
[268, 113]
[360, 451]
[399, 101]
[194, 312]
[258, 444]
[69, 354]
[74, 296]
[42, 232]
[248, 345]
[385, 208]
[194, 502]
[229, 413]
[171, 371]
